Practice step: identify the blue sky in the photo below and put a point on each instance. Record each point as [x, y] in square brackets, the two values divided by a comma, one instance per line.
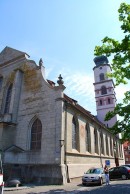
[64, 34]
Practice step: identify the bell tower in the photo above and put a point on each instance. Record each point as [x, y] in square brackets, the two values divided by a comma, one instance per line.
[104, 90]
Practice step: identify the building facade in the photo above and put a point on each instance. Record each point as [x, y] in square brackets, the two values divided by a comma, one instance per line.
[126, 147]
[46, 136]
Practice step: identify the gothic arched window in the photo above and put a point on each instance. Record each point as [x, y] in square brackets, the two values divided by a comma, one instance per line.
[107, 146]
[95, 141]
[74, 146]
[88, 138]
[36, 135]
[102, 76]
[111, 147]
[102, 144]
[8, 99]
[103, 90]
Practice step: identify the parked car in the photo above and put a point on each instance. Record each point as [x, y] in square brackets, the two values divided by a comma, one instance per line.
[94, 176]
[126, 165]
[120, 172]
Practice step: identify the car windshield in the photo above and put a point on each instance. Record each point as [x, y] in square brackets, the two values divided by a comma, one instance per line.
[94, 171]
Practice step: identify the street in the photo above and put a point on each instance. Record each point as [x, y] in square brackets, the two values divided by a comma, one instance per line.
[115, 187]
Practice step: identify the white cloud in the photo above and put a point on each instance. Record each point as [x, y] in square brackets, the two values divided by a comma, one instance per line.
[79, 85]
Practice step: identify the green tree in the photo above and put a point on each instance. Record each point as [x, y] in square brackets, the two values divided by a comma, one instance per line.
[120, 52]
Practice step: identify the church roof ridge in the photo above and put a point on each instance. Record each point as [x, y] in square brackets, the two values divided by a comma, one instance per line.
[82, 109]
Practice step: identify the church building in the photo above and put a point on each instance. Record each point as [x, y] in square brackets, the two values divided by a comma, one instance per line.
[46, 136]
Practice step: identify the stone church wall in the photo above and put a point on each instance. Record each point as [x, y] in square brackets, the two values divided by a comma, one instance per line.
[33, 98]
[79, 161]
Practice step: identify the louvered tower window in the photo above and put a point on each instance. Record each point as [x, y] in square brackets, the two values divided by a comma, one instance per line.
[101, 77]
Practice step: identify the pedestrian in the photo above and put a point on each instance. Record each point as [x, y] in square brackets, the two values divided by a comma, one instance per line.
[106, 170]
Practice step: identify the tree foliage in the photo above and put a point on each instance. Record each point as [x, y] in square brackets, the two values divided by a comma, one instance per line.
[120, 52]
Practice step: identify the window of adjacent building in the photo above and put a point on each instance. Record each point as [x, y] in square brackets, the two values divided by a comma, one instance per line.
[88, 138]
[36, 135]
[1, 80]
[74, 134]
[8, 99]
[103, 90]
[101, 76]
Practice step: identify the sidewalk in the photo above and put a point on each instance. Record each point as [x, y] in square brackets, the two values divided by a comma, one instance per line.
[42, 188]
[16, 188]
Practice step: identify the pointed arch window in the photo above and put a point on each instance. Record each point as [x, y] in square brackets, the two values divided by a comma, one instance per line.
[8, 98]
[102, 144]
[103, 90]
[101, 76]
[107, 146]
[88, 138]
[111, 147]
[74, 134]
[95, 141]
[1, 80]
[36, 135]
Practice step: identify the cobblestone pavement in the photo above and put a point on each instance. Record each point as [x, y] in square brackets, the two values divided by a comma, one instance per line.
[116, 187]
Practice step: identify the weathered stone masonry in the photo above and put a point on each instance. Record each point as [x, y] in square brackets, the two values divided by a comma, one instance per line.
[34, 103]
